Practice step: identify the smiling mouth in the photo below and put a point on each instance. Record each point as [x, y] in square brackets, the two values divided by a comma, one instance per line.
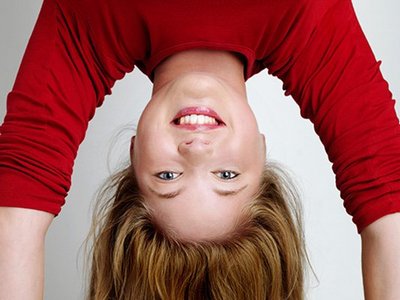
[193, 118]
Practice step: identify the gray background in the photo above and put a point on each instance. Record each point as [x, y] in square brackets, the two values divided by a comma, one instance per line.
[332, 241]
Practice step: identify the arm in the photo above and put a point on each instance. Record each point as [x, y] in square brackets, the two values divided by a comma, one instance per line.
[22, 236]
[381, 258]
[60, 82]
[336, 81]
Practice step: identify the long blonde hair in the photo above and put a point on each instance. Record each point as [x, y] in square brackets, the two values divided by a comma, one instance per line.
[134, 258]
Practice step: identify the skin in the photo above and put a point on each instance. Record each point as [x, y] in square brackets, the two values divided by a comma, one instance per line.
[381, 259]
[22, 240]
[199, 162]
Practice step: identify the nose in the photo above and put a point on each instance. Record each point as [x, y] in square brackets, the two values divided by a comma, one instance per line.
[195, 149]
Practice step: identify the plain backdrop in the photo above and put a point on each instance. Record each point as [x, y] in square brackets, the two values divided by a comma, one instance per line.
[332, 242]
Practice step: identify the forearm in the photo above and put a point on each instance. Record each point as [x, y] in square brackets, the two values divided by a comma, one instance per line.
[381, 259]
[22, 237]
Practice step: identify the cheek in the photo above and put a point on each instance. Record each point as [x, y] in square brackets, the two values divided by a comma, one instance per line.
[150, 138]
[248, 147]
[153, 150]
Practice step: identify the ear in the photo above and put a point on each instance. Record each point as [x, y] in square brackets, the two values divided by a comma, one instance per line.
[131, 148]
[264, 145]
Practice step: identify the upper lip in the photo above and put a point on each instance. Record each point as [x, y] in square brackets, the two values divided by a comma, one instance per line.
[198, 110]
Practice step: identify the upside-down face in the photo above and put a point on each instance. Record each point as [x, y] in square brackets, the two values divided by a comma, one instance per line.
[198, 156]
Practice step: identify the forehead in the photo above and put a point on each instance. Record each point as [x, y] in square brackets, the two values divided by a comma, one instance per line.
[198, 213]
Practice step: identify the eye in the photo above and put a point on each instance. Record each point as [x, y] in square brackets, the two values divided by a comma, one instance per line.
[226, 174]
[168, 175]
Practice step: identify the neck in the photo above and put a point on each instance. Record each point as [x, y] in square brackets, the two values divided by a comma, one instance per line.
[225, 66]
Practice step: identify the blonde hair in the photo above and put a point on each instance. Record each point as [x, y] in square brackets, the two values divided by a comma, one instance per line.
[134, 258]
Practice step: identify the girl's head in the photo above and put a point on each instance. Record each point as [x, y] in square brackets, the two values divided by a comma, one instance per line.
[198, 153]
[135, 257]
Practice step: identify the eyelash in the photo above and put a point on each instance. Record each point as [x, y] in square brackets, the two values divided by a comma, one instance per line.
[160, 175]
[235, 174]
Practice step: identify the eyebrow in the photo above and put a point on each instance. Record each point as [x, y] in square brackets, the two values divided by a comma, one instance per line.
[165, 195]
[230, 192]
[219, 192]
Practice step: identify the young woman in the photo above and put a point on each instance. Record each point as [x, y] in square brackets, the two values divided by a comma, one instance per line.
[79, 49]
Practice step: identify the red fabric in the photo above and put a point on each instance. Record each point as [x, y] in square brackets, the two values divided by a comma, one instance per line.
[79, 48]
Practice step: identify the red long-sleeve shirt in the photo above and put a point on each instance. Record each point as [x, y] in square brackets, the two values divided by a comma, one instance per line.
[79, 48]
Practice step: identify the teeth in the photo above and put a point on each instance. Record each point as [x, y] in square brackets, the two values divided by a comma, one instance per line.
[197, 119]
[193, 119]
[201, 119]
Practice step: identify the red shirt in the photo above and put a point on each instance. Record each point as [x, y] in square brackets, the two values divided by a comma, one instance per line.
[79, 48]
